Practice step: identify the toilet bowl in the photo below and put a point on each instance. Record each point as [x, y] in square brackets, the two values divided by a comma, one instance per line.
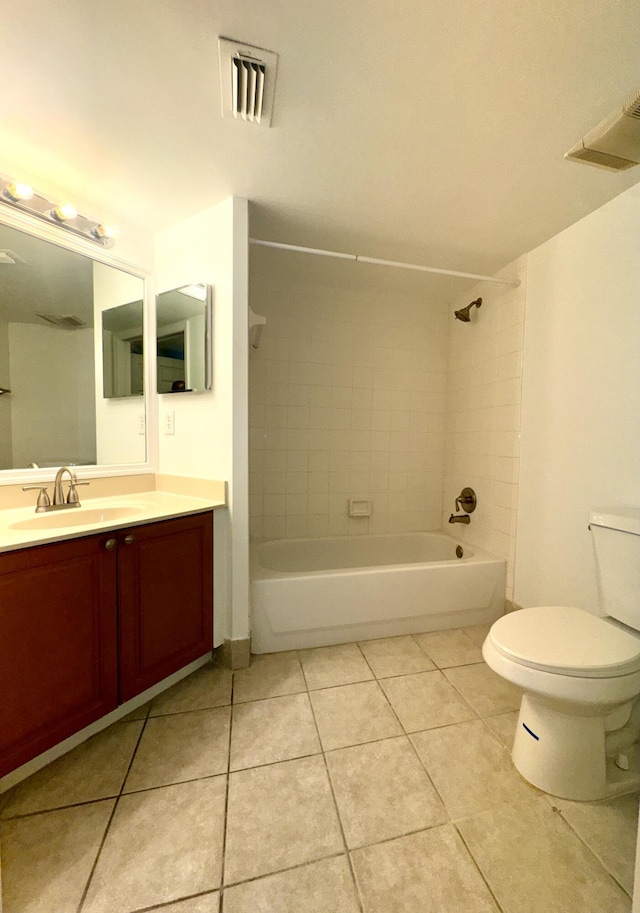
[579, 722]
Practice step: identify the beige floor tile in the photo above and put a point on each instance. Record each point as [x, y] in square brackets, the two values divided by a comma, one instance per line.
[279, 816]
[353, 714]
[94, 770]
[326, 667]
[477, 633]
[382, 791]
[395, 656]
[425, 700]
[179, 747]
[269, 675]
[47, 859]
[428, 872]
[321, 887]
[140, 713]
[609, 828]
[162, 845]
[535, 864]
[276, 729]
[450, 648]
[504, 726]
[206, 903]
[470, 768]
[488, 693]
[209, 686]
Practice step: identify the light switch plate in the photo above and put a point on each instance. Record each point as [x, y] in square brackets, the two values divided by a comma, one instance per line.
[170, 422]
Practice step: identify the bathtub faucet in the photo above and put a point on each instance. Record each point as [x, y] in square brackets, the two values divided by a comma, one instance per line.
[459, 518]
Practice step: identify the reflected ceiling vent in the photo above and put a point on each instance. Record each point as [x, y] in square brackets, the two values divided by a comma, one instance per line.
[63, 321]
[8, 258]
[247, 81]
[615, 143]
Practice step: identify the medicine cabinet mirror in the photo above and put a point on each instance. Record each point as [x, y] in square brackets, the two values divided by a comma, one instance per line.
[183, 338]
[54, 408]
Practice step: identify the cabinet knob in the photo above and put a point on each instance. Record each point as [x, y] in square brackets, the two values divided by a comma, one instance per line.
[129, 539]
[110, 544]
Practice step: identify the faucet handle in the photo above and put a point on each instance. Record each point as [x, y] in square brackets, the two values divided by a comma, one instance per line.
[43, 498]
[72, 496]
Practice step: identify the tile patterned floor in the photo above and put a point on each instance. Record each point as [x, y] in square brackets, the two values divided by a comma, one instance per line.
[362, 778]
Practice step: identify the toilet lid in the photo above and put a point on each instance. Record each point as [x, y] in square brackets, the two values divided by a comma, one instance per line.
[567, 641]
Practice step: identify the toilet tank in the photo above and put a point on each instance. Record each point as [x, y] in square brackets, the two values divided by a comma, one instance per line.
[616, 536]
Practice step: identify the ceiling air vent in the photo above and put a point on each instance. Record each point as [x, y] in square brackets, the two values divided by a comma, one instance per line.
[247, 81]
[63, 321]
[615, 143]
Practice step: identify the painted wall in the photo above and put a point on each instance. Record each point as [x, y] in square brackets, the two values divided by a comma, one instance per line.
[210, 437]
[347, 399]
[483, 413]
[581, 399]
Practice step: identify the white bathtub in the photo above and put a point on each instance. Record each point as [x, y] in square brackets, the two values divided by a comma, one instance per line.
[315, 592]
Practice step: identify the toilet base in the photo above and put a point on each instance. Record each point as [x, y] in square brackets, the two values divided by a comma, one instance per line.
[564, 754]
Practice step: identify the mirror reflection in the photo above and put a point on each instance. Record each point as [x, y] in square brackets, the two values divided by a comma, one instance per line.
[183, 334]
[51, 358]
[122, 351]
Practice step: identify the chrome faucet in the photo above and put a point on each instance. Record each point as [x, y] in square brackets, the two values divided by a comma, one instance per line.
[59, 500]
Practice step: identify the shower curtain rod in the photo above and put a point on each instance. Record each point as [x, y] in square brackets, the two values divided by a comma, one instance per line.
[359, 259]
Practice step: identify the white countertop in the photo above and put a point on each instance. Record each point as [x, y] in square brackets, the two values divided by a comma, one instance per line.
[144, 507]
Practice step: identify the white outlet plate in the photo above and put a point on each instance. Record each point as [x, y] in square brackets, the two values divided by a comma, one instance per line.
[141, 423]
[170, 422]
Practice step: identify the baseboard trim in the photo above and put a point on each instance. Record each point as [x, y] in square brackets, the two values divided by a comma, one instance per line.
[234, 654]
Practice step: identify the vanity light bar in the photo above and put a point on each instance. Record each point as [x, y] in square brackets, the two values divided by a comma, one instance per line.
[25, 198]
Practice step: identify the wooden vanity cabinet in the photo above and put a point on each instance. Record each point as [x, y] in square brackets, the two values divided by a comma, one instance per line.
[88, 623]
[165, 591]
[58, 644]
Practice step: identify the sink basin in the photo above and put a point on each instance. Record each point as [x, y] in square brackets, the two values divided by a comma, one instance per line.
[77, 516]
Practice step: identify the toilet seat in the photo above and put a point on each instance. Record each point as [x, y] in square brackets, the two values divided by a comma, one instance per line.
[564, 640]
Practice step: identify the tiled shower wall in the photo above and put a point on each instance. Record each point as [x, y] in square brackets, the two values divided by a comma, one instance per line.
[483, 414]
[347, 400]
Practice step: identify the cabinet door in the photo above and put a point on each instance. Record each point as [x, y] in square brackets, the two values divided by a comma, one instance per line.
[58, 644]
[165, 585]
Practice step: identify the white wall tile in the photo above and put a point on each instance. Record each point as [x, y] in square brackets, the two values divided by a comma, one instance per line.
[347, 387]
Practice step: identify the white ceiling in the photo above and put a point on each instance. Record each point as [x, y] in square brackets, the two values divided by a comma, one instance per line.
[424, 131]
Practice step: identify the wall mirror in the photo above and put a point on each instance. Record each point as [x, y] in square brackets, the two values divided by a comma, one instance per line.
[183, 338]
[53, 410]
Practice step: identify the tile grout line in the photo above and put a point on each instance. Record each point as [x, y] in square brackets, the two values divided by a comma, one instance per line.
[582, 840]
[169, 903]
[407, 736]
[477, 865]
[111, 817]
[291, 868]
[223, 848]
[354, 880]
[455, 687]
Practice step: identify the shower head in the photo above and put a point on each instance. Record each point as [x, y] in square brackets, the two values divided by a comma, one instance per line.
[463, 313]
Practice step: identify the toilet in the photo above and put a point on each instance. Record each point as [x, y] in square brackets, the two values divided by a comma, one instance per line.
[579, 723]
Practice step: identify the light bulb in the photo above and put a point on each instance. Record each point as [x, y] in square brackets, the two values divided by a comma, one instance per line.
[17, 191]
[63, 212]
[106, 231]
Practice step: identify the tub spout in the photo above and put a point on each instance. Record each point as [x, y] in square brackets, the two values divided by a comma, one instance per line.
[459, 518]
